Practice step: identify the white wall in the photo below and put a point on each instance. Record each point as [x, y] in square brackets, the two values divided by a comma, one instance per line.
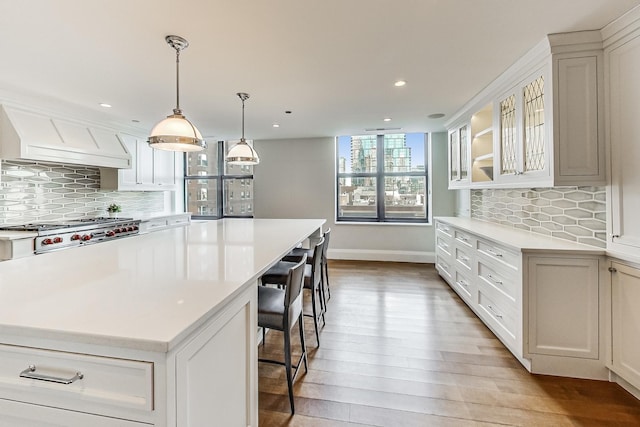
[296, 179]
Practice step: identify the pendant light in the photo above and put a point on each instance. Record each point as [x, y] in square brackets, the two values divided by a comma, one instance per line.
[176, 133]
[242, 153]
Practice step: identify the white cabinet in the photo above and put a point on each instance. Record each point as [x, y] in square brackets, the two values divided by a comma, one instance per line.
[548, 124]
[563, 303]
[164, 222]
[543, 305]
[625, 322]
[623, 60]
[152, 170]
[459, 150]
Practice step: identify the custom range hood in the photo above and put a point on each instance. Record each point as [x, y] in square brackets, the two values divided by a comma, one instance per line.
[29, 135]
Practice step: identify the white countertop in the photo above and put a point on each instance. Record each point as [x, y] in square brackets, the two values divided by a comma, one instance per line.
[519, 240]
[144, 292]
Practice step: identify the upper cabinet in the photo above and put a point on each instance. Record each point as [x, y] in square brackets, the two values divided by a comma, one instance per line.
[541, 123]
[622, 65]
[459, 156]
[152, 170]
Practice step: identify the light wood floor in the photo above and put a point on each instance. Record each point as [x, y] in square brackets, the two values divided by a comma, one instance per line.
[401, 349]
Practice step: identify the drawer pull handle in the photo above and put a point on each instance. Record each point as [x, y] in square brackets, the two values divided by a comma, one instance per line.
[463, 239]
[496, 254]
[443, 245]
[462, 283]
[494, 280]
[499, 316]
[31, 373]
[464, 258]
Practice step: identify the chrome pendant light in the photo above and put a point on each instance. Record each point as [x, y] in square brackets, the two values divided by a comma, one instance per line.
[242, 153]
[176, 133]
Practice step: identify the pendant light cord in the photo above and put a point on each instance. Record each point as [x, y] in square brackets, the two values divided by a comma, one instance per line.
[242, 139]
[177, 111]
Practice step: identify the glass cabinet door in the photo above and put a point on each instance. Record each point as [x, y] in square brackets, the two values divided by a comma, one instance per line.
[508, 136]
[533, 125]
[454, 156]
[464, 152]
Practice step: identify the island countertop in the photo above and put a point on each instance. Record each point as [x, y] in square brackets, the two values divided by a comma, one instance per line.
[145, 292]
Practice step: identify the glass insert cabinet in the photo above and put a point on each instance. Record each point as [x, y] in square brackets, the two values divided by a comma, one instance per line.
[215, 189]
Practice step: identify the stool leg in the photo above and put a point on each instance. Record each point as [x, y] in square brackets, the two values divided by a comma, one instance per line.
[315, 316]
[287, 366]
[326, 275]
[264, 335]
[302, 343]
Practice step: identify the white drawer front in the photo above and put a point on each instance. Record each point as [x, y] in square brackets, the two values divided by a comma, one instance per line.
[445, 229]
[502, 281]
[443, 245]
[463, 260]
[444, 268]
[499, 315]
[172, 222]
[106, 385]
[465, 288]
[499, 254]
[463, 238]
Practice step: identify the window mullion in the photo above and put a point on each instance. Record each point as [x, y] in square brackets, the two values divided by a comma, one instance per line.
[380, 175]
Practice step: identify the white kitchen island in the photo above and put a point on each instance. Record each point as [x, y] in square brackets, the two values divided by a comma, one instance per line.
[160, 327]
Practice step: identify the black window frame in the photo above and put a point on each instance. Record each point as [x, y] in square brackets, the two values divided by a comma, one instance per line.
[220, 178]
[379, 176]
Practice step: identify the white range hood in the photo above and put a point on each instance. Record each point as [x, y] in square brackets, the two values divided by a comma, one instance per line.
[29, 135]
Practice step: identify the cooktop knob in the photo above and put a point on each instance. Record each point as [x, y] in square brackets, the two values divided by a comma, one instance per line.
[57, 240]
[87, 237]
[75, 237]
[47, 241]
[110, 233]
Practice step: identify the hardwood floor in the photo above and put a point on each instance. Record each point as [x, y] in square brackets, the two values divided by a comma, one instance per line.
[399, 348]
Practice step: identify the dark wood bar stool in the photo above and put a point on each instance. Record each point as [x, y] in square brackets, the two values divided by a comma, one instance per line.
[280, 309]
[277, 275]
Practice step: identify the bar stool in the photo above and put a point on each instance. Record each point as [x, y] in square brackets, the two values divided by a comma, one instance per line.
[279, 309]
[297, 252]
[277, 275]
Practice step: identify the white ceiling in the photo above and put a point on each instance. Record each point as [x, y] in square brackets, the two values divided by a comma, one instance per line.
[331, 62]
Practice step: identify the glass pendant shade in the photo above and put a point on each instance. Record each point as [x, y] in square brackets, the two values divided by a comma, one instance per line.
[176, 133]
[242, 154]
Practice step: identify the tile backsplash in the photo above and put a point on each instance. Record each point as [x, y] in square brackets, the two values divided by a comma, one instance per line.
[572, 213]
[38, 191]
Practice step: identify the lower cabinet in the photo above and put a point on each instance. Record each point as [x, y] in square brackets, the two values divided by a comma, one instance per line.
[209, 378]
[625, 319]
[18, 414]
[544, 304]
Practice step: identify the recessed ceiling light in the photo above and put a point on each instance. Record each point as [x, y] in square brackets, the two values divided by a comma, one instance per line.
[436, 116]
[276, 125]
[400, 83]
[387, 119]
[105, 105]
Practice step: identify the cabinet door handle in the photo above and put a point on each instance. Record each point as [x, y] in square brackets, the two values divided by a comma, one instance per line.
[612, 270]
[615, 236]
[494, 280]
[499, 316]
[463, 239]
[496, 254]
[464, 258]
[31, 373]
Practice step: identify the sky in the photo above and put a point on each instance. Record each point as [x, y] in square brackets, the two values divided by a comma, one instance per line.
[414, 140]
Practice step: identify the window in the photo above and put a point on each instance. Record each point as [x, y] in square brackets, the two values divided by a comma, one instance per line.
[215, 189]
[382, 178]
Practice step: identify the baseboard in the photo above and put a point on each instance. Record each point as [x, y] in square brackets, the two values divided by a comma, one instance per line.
[382, 255]
[633, 390]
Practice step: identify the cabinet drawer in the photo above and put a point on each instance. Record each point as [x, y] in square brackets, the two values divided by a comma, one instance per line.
[503, 282]
[445, 229]
[100, 385]
[463, 260]
[463, 238]
[443, 246]
[444, 268]
[172, 222]
[498, 314]
[499, 254]
[464, 287]
[153, 225]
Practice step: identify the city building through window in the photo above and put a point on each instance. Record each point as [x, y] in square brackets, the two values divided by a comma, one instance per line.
[382, 178]
[215, 189]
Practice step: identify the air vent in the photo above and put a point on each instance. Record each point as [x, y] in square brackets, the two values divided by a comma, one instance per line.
[380, 129]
